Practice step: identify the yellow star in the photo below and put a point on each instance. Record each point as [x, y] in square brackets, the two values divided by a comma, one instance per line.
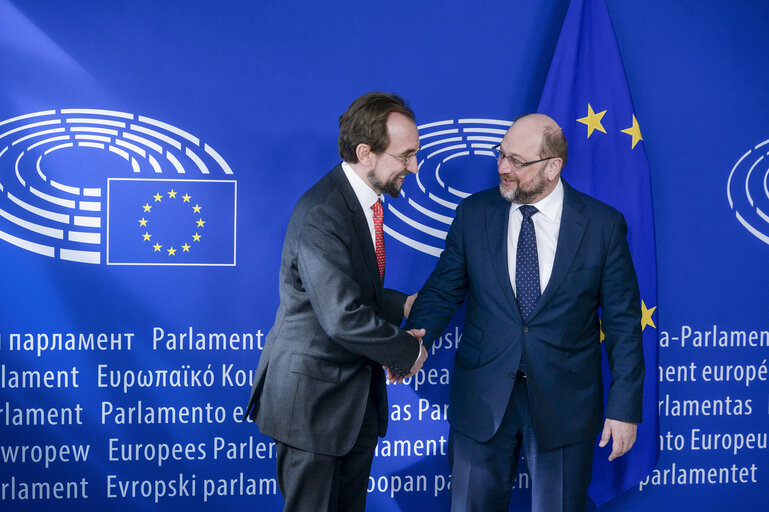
[185, 247]
[142, 221]
[186, 198]
[646, 316]
[147, 236]
[634, 131]
[147, 207]
[172, 194]
[600, 328]
[196, 237]
[157, 197]
[593, 121]
[196, 208]
[172, 252]
[200, 223]
[157, 247]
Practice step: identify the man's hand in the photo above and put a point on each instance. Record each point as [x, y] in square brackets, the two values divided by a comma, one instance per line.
[407, 306]
[420, 360]
[624, 436]
[417, 333]
[393, 377]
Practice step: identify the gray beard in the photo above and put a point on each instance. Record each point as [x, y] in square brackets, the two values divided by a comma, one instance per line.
[520, 196]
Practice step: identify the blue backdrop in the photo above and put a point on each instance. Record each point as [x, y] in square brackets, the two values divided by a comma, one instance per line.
[150, 156]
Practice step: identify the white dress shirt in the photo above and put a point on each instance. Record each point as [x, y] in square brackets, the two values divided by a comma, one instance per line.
[366, 196]
[547, 225]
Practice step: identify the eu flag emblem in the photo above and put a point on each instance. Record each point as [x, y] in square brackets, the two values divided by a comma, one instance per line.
[171, 222]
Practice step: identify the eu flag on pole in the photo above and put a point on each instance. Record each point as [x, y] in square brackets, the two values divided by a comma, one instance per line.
[171, 222]
[586, 92]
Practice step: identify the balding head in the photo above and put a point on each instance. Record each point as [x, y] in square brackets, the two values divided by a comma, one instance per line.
[552, 141]
[531, 138]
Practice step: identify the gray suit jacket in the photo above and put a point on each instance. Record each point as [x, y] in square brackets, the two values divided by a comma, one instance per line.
[334, 327]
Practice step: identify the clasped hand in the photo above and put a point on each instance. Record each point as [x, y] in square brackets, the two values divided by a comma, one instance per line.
[393, 377]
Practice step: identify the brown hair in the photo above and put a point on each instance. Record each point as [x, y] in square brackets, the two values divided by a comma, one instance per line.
[365, 122]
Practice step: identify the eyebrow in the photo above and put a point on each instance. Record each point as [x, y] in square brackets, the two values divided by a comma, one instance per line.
[511, 154]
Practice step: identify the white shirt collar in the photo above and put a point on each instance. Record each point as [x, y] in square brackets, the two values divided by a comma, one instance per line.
[365, 194]
[550, 204]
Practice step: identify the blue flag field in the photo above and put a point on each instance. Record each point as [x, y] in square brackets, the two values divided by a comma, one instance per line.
[586, 92]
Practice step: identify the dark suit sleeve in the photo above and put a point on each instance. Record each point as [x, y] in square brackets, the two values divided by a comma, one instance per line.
[621, 323]
[324, 262]
[391, 308]
[445, 289]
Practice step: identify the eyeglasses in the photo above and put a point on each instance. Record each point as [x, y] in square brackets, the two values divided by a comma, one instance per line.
[404, 159]
[514, 161]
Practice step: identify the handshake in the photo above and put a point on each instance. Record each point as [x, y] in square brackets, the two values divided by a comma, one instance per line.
[392, 376]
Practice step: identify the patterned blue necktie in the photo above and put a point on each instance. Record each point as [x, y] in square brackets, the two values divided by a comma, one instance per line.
[527, 264]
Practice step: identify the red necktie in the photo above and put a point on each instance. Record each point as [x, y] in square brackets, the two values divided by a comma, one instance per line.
[379, 235]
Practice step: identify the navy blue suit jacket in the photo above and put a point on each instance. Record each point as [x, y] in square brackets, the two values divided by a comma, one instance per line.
[560, 343]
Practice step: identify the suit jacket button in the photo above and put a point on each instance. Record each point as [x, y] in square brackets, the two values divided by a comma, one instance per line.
[511, 375]
[525, 329]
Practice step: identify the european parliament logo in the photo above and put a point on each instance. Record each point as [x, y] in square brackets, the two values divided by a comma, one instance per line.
[747, 190]
[456, 161]
[101, 186]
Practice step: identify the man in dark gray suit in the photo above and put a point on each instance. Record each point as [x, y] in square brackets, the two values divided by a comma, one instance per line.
[319, 389]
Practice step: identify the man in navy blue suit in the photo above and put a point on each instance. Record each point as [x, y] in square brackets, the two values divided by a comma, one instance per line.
[537, 261]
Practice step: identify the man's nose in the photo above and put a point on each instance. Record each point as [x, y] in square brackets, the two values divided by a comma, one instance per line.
[412, 165]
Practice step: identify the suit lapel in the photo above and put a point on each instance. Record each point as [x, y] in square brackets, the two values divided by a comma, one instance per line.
[573, 224]
[362, 233]
[497, 216]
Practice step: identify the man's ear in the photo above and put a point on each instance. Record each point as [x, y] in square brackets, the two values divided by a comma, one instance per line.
[553, 169]
[364, 154]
